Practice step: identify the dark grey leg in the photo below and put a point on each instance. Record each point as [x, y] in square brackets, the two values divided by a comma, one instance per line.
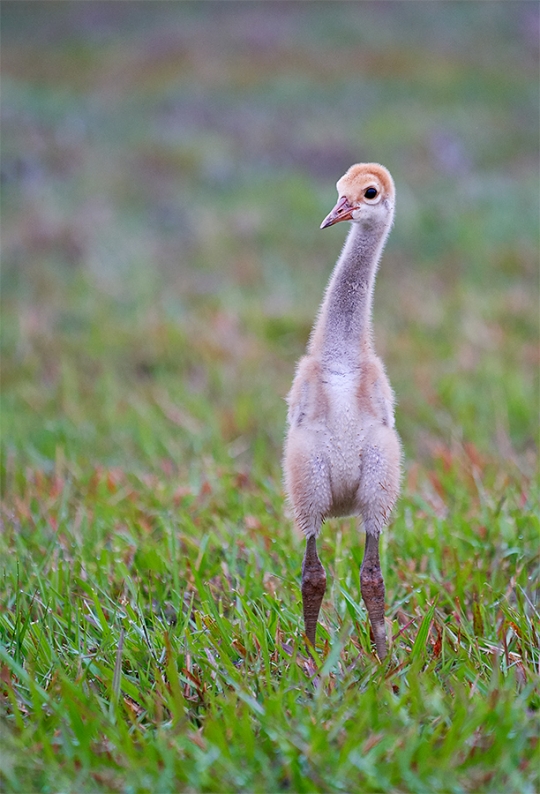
[313, 588]
[372, 587]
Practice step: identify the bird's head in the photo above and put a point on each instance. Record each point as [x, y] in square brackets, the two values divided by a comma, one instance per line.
[366, 196]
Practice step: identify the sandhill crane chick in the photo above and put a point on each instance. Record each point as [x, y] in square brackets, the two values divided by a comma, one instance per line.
[342, 454]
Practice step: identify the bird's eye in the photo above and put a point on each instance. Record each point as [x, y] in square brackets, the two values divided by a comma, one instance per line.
[370, 193]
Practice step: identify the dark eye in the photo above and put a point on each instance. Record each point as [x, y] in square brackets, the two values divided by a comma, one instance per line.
[370, 193]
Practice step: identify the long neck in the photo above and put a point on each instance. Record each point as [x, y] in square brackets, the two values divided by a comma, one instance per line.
[343, 328]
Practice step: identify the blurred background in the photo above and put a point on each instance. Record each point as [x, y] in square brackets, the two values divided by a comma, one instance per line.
[165, 168]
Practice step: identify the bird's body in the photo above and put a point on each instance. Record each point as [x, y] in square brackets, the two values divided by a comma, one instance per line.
[342, 453]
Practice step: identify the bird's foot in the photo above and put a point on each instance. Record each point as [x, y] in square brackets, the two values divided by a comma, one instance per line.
[313, 589]
[372, 588]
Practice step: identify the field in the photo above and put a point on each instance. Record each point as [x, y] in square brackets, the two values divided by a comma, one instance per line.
[165, 168]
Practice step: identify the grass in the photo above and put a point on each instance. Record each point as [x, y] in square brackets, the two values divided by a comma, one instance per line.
[164, 170]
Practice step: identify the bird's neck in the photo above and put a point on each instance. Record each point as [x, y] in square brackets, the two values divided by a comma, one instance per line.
[342, 332]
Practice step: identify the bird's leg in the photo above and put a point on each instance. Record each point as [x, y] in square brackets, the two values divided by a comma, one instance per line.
[313, 588]
[372, 587]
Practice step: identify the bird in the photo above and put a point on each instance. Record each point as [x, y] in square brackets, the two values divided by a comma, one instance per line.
[342, 454]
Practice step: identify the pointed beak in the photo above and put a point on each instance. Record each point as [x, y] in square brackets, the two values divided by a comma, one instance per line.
[342, 212]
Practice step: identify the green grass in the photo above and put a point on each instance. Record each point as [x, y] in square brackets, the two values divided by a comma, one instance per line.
[165, 168]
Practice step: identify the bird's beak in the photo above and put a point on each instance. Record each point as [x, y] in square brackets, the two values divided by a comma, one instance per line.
[342, 212]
